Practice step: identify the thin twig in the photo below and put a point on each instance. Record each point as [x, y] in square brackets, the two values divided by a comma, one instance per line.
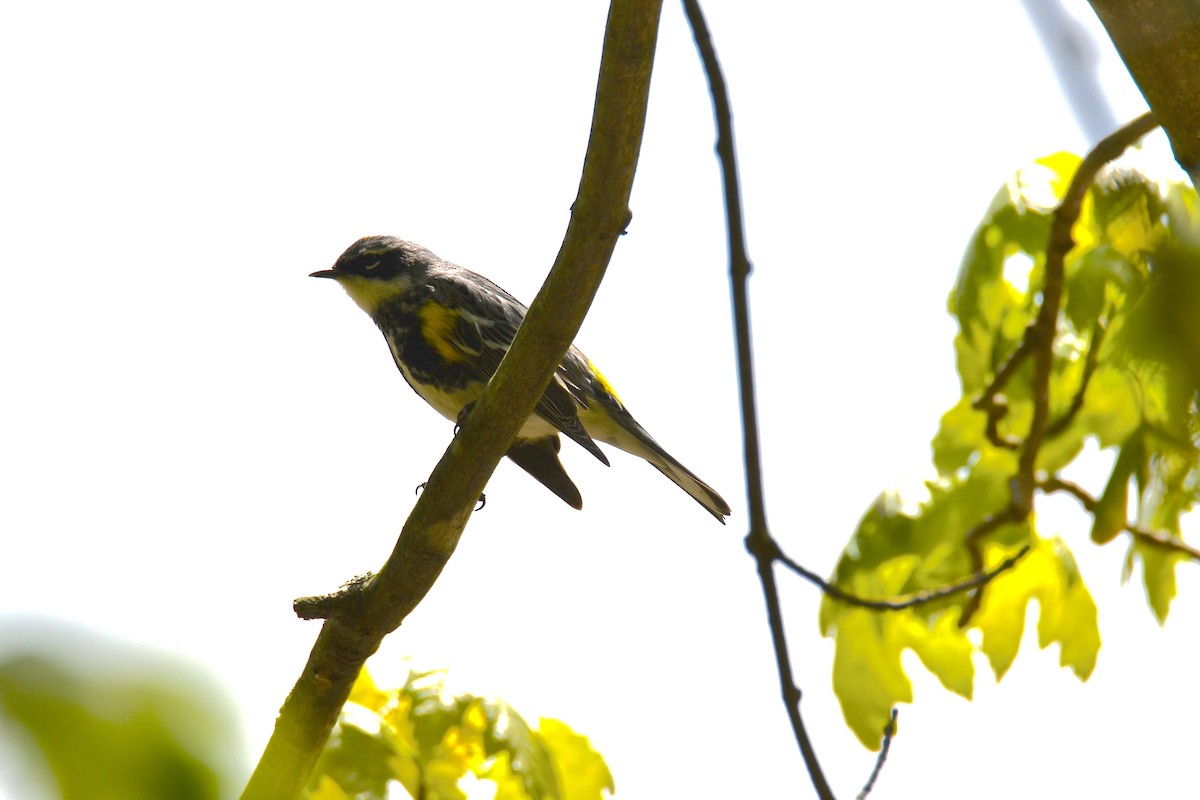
[1089, 503]
[992, 402]
[889, 733]
[906, 601]
[758, 541]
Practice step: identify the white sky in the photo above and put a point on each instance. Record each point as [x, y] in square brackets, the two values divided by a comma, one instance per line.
[194, 433]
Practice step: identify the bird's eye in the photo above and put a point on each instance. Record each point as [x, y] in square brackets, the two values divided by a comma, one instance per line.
[371, 266]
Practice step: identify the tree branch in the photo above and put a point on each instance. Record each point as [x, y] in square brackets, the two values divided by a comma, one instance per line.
[1038, 342]
[758, 541]
[1159, 41]
[600, 214]
[1044, 329]
[1164, 541]
[907, 601]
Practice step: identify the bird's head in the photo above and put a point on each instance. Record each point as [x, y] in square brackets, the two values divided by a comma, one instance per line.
[377, 268]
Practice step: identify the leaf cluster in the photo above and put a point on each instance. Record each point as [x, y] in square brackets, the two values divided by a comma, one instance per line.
[437, 746]
[1124, 373]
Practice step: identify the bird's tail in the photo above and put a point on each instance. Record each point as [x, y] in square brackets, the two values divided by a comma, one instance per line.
[687, 480]
[632, 438]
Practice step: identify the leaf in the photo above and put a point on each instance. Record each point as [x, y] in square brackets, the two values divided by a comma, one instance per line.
[1111, 514]
[438, 745]
[582, 772]
[366, 694]
[942, 648]
[1158, 575]
[328, 789]
[1111, 410]
[1069, 616]
[1125, 372]
[960, 435]
[868, 678]
[1068, 613]
[111, 720]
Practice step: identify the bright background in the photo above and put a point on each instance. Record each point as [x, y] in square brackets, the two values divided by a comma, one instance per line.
[194, 433]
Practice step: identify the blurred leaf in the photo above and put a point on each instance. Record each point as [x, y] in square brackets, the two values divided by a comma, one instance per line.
[1158, 575]
[114, 722]
[1112, 509]
[327, 789]
[961, 434]
[438, 746]
[1111, 411]
[582, 773]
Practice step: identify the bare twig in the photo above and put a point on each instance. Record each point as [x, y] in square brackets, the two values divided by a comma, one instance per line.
[1158, 539]
[992, 402]
[758, 541]
[906, 601]
[889, 733]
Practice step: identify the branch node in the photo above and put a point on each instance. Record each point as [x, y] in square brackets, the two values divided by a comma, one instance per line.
[346, 601]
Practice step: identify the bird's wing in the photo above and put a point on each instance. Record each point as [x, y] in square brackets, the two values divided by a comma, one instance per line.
[487, 320]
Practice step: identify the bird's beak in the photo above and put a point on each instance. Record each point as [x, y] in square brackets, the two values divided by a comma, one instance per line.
[324, 273]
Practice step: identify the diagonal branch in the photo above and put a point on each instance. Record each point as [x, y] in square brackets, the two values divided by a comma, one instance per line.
[758, 541]
[1038, 343]
[600, 214]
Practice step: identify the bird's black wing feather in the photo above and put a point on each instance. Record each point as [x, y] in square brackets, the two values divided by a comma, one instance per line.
[485, 332]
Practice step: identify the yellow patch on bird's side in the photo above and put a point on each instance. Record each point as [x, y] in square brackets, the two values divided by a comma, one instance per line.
[368, 294]
[603, 381]
[437, 325]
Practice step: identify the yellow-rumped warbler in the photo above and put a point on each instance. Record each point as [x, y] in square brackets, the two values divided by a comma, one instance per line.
[448, 328]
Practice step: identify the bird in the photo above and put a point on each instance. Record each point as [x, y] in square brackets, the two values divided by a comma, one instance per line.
[448, 328]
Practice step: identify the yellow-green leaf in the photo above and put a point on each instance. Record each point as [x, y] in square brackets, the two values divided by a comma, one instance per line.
[868, 678]
[582, 773]
[1111, 514]
[943, 648]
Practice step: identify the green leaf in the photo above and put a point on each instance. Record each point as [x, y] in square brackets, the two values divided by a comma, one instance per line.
[962, 433]
[1112, 509]
[942, 648]
[114, 721]
[435, 744]
[1158, 575]
[1069, 616]
[1125, 372]
[1068, 613]
[1111, 410]
[582, 773]
[868, 678]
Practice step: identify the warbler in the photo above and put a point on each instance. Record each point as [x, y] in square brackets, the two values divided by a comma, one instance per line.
[448, 328]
